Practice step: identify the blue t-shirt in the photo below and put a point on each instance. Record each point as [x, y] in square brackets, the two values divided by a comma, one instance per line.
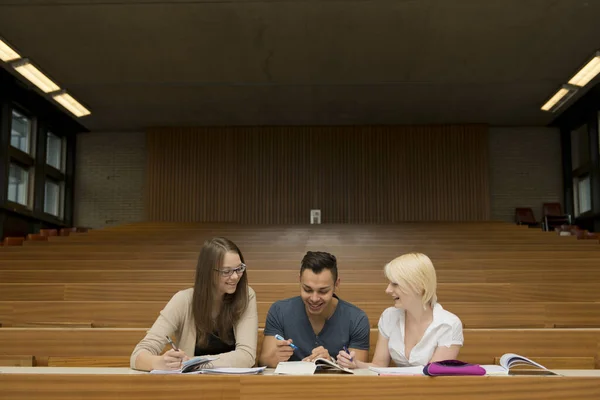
[348, 326]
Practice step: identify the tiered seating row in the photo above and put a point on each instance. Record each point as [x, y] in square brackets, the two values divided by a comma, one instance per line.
[353, 292]
[142, 314]
[481, 345]
[100, 291]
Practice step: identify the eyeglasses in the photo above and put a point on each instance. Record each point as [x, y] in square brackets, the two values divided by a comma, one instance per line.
[228, 272]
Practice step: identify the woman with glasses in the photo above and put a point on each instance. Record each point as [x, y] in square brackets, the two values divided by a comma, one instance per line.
[216, 317]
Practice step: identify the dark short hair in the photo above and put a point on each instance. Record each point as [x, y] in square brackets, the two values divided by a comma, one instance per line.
[317, 261]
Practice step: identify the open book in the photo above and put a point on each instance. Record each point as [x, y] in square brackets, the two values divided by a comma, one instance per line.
[309, 368]
[193, 365]
[509, 360]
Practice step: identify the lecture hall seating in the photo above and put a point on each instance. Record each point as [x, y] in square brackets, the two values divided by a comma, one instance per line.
[516, 289]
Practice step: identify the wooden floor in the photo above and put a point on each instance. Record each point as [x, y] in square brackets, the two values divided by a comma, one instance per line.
[87, 299]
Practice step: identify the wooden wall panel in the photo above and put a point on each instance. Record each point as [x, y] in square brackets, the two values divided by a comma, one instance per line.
[275, 175]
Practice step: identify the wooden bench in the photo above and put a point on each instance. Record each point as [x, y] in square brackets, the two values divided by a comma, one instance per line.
[493, 275]
[353, 292]
[106, 314]
[482, 346]
[8, 242]
[119, 253]
[375, 237]
[115, 362]
[16, 361]
[152, 262]
[351, 250]
[290, 276]
[49, 386]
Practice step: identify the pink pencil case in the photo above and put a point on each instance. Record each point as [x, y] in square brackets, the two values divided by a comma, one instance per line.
[452, 368]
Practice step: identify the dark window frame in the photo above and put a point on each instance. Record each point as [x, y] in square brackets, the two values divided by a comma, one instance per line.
[586, 110]
[46, 117]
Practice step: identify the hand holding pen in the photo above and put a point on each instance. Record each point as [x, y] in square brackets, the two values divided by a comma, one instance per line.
[172, 344]
[345, 358]
[172, 359]
[348, 352]
[284, 348]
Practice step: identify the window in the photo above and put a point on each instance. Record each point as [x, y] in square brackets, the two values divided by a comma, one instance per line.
[583, 195]
[52, 198]
[18, 184]
[54, 151]
[580, 147]
[37, 169]
[20, 131]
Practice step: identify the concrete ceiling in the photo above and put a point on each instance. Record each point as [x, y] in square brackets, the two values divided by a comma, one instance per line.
[142, 63]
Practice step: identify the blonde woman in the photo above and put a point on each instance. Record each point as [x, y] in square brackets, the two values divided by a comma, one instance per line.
[216, 317]
[416, 330]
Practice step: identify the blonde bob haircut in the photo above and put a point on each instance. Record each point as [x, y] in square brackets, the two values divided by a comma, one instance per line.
[414, 272]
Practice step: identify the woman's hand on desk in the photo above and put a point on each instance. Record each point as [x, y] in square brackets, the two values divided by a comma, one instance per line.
[346, 360]
[170, 360]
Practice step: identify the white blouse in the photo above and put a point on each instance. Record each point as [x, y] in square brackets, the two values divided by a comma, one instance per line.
[444, 330]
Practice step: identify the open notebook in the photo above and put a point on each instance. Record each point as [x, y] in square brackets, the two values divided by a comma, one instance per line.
[193, 365]
[509, 360]
[309, 368]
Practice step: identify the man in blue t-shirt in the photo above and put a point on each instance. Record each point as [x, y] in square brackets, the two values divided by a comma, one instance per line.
[317, 323]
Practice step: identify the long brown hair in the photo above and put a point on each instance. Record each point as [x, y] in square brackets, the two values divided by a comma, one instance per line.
[207, 280]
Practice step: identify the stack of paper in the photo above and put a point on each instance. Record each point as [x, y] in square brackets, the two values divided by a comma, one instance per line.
[232, 371]
[295, 368]
[309, 368]
[397, 371]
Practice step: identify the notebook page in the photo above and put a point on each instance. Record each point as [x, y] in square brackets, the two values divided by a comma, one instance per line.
[510, 359]
[495, 370]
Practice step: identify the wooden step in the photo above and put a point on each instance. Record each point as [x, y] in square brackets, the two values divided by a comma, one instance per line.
[352, 292]
[482, 346]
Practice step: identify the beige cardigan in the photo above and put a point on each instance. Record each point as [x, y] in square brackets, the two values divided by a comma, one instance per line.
[176, 319]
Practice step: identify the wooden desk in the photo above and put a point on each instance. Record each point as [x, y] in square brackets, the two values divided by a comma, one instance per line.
[116, 383]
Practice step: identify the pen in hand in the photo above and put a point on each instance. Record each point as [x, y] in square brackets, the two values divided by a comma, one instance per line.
[292, 345]
[172, 344]
[347, 351]
[300, 353]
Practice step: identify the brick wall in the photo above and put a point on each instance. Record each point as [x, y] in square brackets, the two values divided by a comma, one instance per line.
[109, 183]
[525, 169]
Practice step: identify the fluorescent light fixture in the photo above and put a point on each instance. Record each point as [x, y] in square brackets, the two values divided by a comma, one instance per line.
[560, 97]
[35, 76]
[587, 73]
[68, 102]
[7, 53]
